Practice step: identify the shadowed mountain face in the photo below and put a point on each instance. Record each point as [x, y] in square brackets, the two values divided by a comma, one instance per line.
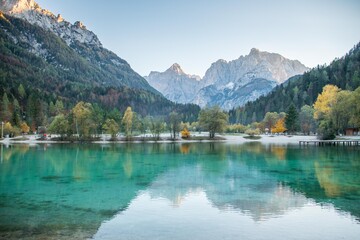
[227, 84]
[83, 46]
[61, 190]
[54, 59]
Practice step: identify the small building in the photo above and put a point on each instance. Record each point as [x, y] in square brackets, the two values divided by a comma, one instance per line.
[352, 131]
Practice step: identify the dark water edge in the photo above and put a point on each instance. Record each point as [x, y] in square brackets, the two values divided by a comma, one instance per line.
[63, 191]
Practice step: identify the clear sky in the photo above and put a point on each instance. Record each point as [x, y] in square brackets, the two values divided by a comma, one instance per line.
[154, 34]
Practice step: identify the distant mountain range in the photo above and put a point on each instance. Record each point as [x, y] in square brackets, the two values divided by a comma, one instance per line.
[227, 84]
[303, 89]
[54, 59]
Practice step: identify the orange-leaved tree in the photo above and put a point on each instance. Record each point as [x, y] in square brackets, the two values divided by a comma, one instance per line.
[279, 126]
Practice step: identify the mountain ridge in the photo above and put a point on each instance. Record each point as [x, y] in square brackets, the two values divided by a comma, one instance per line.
[222, 82]
[51, 68]
[304, 89]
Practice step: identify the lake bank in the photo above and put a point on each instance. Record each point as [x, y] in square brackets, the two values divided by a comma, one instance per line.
[203, 137]
[178, 191]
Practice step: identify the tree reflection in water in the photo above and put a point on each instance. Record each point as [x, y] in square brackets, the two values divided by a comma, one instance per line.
[60, 188]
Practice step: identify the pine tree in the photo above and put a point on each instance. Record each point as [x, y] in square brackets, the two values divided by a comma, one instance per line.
[5, 109]
[291, 119]
[16, 119]
[21, 91]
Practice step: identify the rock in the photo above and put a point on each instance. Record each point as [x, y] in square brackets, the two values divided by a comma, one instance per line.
[227, 84]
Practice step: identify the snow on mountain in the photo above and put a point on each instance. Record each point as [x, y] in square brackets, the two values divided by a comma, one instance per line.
[175, 84]
[223, 81]
[229, 84]
[30, 11]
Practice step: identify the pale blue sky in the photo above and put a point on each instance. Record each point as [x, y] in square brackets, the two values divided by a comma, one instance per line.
[154, 34]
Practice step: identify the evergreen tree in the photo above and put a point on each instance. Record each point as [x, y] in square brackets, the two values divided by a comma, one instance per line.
[59, 107]
[21, 92]
[52, 109]
[291, 119]
[16, 118]
[5, 109]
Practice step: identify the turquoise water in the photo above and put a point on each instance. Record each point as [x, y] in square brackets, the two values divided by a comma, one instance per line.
[179, 191]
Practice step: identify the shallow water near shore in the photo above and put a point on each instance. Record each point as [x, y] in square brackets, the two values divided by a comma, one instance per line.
[179, 191]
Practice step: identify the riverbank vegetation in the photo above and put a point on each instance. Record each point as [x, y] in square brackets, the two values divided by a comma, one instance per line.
[334, 111]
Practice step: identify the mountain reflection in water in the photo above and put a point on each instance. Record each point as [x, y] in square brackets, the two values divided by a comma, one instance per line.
[62, 190]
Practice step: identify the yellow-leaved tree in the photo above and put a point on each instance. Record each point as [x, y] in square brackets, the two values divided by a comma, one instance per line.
[279, 126]
[24, 128]
[185, 133]
[127, 121]
[323, 108]
[82, 113]
[325, 101]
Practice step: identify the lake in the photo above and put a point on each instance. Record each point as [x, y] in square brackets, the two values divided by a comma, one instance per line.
[179, 191]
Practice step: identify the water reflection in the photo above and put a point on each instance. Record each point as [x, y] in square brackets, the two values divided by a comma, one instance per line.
[72, 189]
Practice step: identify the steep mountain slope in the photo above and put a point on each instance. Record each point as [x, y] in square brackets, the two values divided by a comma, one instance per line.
[224, 81]
[54, 60]
[230, 95]
[174, 84]
[304, 89]
[110, 69]
[228, 78]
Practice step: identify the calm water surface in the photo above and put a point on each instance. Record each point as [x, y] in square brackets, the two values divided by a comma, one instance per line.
[179, 191]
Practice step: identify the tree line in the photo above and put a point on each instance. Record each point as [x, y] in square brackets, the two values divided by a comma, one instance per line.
[87, 121]
[333, 112]
[303, 90]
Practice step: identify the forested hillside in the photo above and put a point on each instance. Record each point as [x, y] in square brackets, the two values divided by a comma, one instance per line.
[38, 69]
[304, 89]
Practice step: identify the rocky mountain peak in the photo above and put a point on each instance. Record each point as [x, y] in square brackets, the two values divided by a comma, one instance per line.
[17, 6]
[176, 68]
[254, 51]
[79, 25]
[59, 18]
[227, 83]
[30, 11]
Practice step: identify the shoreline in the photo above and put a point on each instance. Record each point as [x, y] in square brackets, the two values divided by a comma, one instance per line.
[198, 138]
[226, 138]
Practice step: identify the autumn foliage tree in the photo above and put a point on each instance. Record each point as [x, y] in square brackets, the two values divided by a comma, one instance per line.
[127, 121]
[323, 105]
[185, 133]
[325, 102]
[82, 113]
[24, 128]
[270, 119]
[279, 126]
